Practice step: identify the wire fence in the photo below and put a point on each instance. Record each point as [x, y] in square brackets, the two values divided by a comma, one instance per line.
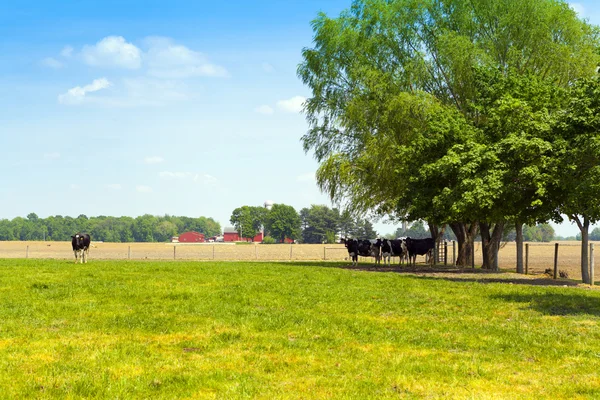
[540, 257]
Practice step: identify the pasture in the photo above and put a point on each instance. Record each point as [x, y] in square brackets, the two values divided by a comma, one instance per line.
[182, 329]
[541, 255]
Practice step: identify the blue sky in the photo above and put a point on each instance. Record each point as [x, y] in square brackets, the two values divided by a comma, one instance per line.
[180, 107]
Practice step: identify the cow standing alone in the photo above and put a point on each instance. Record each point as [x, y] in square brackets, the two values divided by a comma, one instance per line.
[81, 246]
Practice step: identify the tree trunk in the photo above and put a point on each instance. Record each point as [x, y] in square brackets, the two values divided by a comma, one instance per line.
[490, 244]
[584, 229]
[436, 234]
[519, 239]
[465, 233]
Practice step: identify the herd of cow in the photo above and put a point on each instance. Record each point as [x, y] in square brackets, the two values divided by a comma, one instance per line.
[404, 248]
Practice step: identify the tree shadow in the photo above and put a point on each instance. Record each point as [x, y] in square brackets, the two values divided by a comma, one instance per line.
[553, 303]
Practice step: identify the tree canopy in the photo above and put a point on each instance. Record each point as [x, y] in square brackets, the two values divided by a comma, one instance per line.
[444, 110]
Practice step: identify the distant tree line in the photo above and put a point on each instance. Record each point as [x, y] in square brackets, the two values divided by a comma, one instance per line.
[315, 224]
[145, 228]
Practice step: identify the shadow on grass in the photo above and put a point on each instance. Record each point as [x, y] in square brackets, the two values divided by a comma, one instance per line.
[443, 272]
[571, 303]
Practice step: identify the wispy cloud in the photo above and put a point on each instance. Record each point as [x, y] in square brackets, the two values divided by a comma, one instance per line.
[77, 94]
[169, 60]
[52, 63]
[268, 68]
[143, 189]
[67, 52]
[112, 51]
[578, 8]
[293, 105]
[153, 160]
[264, 109]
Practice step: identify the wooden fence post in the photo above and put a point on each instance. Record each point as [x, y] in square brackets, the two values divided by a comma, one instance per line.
[213, 251]
[445, 253]
[128, 252]
[324, 256]
[27, 252]
[526, 258]
[255, 251]
[291, 247]
[592, 264]
[473, 254]
[555, 260]
[174, 247]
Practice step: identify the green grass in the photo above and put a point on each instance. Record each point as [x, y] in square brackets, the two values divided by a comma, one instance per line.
[287, 330]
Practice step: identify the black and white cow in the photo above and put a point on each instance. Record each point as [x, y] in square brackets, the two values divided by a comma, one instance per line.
[363, 248]
[392, 248]
[370, 248]
[81, 246]
[352, 246]
[419, 247]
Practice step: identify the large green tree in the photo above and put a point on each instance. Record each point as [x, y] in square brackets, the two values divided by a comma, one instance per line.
[396, 82]
[248, 220]
[319, 222]
[282, 222]
[579, 131]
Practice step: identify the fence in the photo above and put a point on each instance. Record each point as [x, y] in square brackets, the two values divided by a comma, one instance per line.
[541, 255]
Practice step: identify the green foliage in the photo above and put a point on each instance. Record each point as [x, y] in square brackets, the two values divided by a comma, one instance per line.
[248, 220]
[145, 228]
[269, 240]
[538, 233]
[416, 230]
[317, 222]
[238, 330]
[282, 222]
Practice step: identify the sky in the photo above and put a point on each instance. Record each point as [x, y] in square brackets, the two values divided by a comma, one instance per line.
[182, 107]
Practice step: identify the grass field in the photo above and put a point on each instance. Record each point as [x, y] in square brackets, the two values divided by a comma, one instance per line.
[541, 254]
[148, 329]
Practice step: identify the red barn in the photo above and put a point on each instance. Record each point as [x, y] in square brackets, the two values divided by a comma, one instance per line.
[191, 237]
[231, 235]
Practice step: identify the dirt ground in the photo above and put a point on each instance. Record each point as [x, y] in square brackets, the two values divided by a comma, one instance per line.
[541, 255]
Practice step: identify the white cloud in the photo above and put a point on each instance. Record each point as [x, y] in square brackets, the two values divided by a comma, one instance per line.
[264, 109]
[74, 186]
[143, 189]
[292, 105]
[112, 51]
[205, 178]
[578, 8]
[308, 177]
[51, 156]
[114, 186]
[153, 160]
[77, 94]
[52, 63]
[66, 52]
[172, 61]
[268, 68]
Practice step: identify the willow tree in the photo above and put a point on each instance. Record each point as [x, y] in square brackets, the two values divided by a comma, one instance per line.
[370, 66]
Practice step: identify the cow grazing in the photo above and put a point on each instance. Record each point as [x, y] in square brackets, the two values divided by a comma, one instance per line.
[419, 247]
[81, 246]
[392, 248]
